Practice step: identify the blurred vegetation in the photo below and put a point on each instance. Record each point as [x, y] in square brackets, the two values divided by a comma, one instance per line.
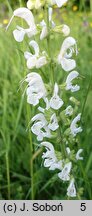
[15, 157]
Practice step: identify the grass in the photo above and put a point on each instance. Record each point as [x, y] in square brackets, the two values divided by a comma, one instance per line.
[22, 175]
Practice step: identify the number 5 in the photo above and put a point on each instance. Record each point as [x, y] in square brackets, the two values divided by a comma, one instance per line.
[83, 207]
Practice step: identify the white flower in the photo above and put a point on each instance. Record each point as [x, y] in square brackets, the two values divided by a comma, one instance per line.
[44, 31]
[66, 30]
[78, 155]
[36, 89]
[72, 75]
[71, 190]
[74, 129]
[69, 110]
[66, 52]
[20, 32]
[50, 159]
[65, 173]
[56, 165]
[49, 155]
[56, 102]
[40, 128]
[31, 4]
[49, 148]
[59, 3]
[53, 125]
[35, 60]
[44, 27]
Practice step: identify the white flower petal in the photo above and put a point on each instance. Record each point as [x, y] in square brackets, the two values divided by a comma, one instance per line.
[78, 154]
[66, 30]
[41, 62]
[74, 129]
[60, 3]
[31, 62]
[69, 110]
[53, 125]
[18, 35]
[37, 4]
[39, 117]
[30, 4]
[37, 127]
[64, 174]
[44, 32]
[67, 44]
[25, 14]
[56, 102]
[35, 47]
[71, 191]
[72, 75]
[68, 64]
[56, 165]
[27, 55]
[48, 145]
[32, 99]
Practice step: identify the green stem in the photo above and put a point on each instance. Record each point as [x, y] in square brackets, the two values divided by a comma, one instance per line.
[29, 110]
[8, 173]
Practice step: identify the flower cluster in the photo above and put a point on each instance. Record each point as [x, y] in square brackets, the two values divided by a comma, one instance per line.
[54, 119]
[37, 4]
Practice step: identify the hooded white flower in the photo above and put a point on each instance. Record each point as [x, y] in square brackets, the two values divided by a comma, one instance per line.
[50, 159]
[73, 126]
[78, 157]
[20, 32]
[56, 102]
[36, 89]
[44, 31]
[72, 75]
[53, 125]
[71, 190]
[35, 60]
[40, 128]
[67, 49]
[69, 110]
[59, 3]
[65, 173]
[31, 4]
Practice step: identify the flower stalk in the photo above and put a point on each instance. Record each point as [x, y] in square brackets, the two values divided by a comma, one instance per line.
[53, 111]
